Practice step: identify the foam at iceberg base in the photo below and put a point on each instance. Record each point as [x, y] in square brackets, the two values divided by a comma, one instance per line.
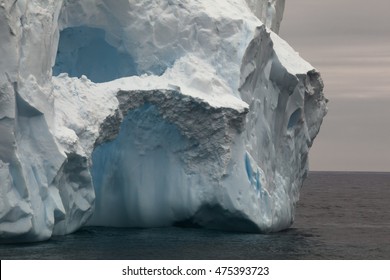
[168, 113]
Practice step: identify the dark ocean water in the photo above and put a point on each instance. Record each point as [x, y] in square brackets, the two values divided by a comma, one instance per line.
[340, 216]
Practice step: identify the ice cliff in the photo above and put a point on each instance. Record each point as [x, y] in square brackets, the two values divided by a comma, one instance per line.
[151, 113]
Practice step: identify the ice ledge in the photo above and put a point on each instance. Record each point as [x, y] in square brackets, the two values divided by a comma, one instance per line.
[182, 110]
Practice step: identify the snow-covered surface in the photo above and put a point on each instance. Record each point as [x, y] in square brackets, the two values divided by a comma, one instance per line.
[169, 112]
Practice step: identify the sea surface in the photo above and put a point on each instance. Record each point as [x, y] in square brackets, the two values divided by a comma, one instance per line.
[340, 216]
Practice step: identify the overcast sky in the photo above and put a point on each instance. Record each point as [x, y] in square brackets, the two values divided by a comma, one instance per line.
[348, 41]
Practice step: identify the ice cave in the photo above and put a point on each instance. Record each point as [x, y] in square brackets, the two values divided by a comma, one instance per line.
[84, 51]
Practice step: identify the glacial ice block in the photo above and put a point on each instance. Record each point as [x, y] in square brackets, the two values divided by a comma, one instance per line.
[151, 113]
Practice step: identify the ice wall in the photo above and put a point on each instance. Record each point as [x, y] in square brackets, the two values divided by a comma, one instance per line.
[151, 113]
[30, 159]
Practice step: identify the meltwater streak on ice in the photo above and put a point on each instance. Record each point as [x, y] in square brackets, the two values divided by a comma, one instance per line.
[212, 69]
[340, 216]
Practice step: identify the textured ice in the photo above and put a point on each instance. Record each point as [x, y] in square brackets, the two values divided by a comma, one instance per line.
[151, 113]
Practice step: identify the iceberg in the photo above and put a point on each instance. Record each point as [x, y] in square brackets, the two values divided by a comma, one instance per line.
[149, 114]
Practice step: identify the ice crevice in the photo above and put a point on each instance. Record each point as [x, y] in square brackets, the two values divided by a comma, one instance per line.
[149, 114]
